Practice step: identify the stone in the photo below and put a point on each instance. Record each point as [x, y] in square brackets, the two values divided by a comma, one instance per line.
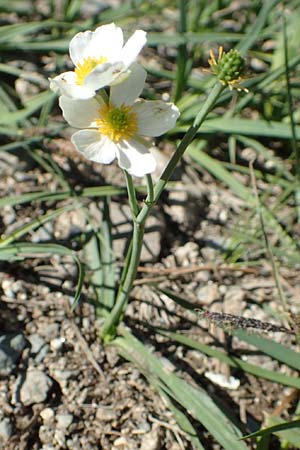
[234, 300]
[11, 347]
[208, 294]
[5, 430]
[47, 414]
[35, 388]
[222, 380]
[64, 420]
[37, 342]
[43, 233]
[151, 440]
[105, 414]
[49, 330]
[57, 343]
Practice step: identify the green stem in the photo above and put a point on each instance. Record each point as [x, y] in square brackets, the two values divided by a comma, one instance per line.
[109, 328]
[131, 194]
[150, 196]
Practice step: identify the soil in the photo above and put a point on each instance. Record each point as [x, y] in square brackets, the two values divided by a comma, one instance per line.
[110, 405]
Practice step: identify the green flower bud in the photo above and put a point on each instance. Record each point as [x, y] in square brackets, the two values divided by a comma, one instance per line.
[229, 68]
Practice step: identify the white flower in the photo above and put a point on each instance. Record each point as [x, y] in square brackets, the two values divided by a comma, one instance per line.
[116, 129]
[100, 60]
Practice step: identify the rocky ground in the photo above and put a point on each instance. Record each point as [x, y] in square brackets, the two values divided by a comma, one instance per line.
[59, 388]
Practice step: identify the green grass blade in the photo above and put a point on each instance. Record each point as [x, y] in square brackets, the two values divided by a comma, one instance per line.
[180, 417]
[107, 258]
[101, 262]
[271, 348]
[233, 361]
[101, 191]
[32, 105]
[216, 168]
[14, 34]
[33, 224]
[246, 43]
[275, 429]
[246, 127]
[177, 39]
[21, 250]
[195, 401]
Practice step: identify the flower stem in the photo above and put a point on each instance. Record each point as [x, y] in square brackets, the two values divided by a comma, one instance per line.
[150, 190]
[131, 194]
[110, 325]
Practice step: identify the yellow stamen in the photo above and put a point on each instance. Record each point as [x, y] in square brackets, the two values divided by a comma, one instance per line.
[84, 68]
[117, 123]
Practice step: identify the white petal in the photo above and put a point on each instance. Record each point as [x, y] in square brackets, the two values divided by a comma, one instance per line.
[103, 75]
[78, 45]
[155, 117]
[135, 158]
[94, 147]
[127, 91]
[80, 113]
[106, 41]
[133, 47]
[65, 84]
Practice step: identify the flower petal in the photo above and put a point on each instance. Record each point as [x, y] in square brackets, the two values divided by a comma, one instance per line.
[103, 75]
[78, 44]
[94, 147]
[106, 41]
[65, 84]
[135, 158]
[155, 117]
[127, 91]
[133, 47]
[80, 113]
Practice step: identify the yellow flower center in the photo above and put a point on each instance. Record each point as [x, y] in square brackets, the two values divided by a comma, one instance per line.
[84, 68]
[117, 123]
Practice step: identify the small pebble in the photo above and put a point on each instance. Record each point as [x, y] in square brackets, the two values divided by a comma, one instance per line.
[35, 388]
[208, 294]
[223, 381]
[105, 414]
[57, 343]
[37, 342]
[5, 430]
[64, 420]
[60, 437]
[47, 414]
[11, 347]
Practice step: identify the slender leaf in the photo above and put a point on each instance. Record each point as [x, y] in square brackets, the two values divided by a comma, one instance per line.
[21, 250]
[271, 348]
[195, 401]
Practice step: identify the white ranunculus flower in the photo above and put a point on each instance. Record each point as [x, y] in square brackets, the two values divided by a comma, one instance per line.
[116, 129]
[100, 60]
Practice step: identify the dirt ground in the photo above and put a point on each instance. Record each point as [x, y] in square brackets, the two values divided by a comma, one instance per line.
[90, 397]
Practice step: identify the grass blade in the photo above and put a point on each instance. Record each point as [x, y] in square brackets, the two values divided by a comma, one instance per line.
[233, 361]
[195, 401]
[21, 250]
